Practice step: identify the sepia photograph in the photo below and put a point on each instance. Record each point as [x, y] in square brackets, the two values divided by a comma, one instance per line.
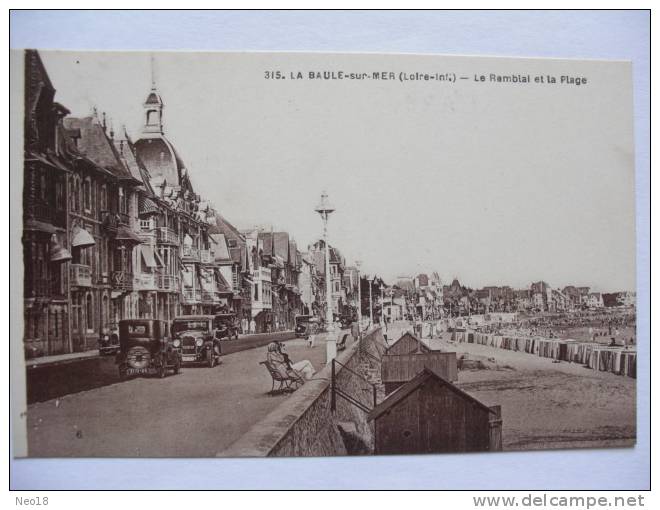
[235, 254]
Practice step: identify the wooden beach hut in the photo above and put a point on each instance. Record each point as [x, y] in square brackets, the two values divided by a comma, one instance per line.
[407, 344]
[398, 369]
[429, 414]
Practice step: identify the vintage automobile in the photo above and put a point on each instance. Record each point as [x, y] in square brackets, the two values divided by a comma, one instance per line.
[146, 349]
[307, 325]
[109, 339]
[225, 326]
[195, 335]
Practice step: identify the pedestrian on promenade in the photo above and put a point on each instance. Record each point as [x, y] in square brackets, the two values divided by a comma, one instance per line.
[253, 326]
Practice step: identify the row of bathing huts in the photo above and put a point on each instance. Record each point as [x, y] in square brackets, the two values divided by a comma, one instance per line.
[616, 359]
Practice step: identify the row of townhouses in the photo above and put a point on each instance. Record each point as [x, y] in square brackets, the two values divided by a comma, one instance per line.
[113, 229]
[425, 296]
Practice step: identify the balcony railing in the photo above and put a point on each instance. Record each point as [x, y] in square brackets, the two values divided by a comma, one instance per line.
[122, 280]
[44, 212]
[261, 273]
[191, 295]
[206, 257]
[81, 275]
[166, 235]
[209, 296]
[112, 219]
[145, 281]
[190, 254]
[168, 283]
[147, 232]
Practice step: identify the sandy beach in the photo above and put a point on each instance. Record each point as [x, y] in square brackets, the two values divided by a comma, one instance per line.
[550, 405]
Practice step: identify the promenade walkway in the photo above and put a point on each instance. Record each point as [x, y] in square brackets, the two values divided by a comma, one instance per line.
[194, 414]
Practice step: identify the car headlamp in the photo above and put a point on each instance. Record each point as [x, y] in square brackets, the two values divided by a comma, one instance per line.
[199, 342]
[176, 342]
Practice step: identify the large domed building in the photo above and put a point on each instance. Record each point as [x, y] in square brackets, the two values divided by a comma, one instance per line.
[155, 150]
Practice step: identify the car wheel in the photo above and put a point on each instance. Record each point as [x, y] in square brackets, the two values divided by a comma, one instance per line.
[211, 358]
[162, 370]
[177, 365]
[122, 373]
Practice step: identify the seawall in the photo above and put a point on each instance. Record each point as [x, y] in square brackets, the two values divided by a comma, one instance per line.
[305, 426]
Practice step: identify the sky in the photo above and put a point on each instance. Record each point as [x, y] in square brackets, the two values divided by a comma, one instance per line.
[496, 184]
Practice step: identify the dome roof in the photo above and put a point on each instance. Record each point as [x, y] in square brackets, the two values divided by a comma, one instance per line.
[160, 158]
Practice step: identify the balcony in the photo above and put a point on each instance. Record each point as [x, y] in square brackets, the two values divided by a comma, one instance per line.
[191, 296]
[145, 281]
[165, 235]
[81, 275]
[261, 273]
[190, 254]
[147, 232]
[206, 257]
[112, 219]
[209, 297]
[168, 283]
[40, 211]
[122, 280]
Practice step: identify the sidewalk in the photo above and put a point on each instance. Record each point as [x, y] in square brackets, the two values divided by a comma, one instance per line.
[246, 342]
[61, 358]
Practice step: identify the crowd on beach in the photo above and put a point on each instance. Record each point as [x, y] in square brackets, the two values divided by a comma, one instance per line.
[609, 328]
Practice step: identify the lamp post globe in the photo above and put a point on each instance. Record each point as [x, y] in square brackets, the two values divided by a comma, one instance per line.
[324, 208]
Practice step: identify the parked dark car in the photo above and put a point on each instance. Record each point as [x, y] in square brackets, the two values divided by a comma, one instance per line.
[225, 326]
[306, 325]
[195, 335]
[109, 339]
[146, 349]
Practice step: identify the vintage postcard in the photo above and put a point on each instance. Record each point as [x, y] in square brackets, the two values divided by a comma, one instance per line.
[308, 254]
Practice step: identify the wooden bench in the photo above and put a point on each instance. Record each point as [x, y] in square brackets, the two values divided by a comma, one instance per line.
[287, 384]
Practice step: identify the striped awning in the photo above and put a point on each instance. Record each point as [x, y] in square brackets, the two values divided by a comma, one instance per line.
[148, 256]
[82, 239]
[146, 206]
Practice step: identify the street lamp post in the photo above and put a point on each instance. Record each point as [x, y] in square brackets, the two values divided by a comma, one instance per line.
[325, 209]
[382, 305]
[371, 303]
[358, 263]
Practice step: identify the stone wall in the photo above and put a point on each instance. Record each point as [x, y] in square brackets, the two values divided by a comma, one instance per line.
[305, 426]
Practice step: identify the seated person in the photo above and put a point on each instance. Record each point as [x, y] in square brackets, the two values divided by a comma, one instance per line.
[304, 367]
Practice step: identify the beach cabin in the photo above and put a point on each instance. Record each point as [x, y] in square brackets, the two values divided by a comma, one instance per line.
[407, 344]
[398, 369]
[429, 414]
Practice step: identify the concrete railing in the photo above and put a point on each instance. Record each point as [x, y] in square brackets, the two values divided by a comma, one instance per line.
[305, 426]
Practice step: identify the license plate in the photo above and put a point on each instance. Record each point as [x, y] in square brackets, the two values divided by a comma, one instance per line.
[189, 358]
[139, 371]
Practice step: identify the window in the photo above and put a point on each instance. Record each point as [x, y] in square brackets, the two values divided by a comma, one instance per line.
[43, 186]
[89, 311]
[256, 292]
[87, 195]
[103, 199]
[59, 195]
[123, 201]
[232, 243]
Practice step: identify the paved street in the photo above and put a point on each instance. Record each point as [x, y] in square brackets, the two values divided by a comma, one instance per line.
[57, 376]
[194, 414]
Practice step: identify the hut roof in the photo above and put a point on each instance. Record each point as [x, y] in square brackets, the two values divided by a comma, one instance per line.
[406, 389]
[422, 345]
